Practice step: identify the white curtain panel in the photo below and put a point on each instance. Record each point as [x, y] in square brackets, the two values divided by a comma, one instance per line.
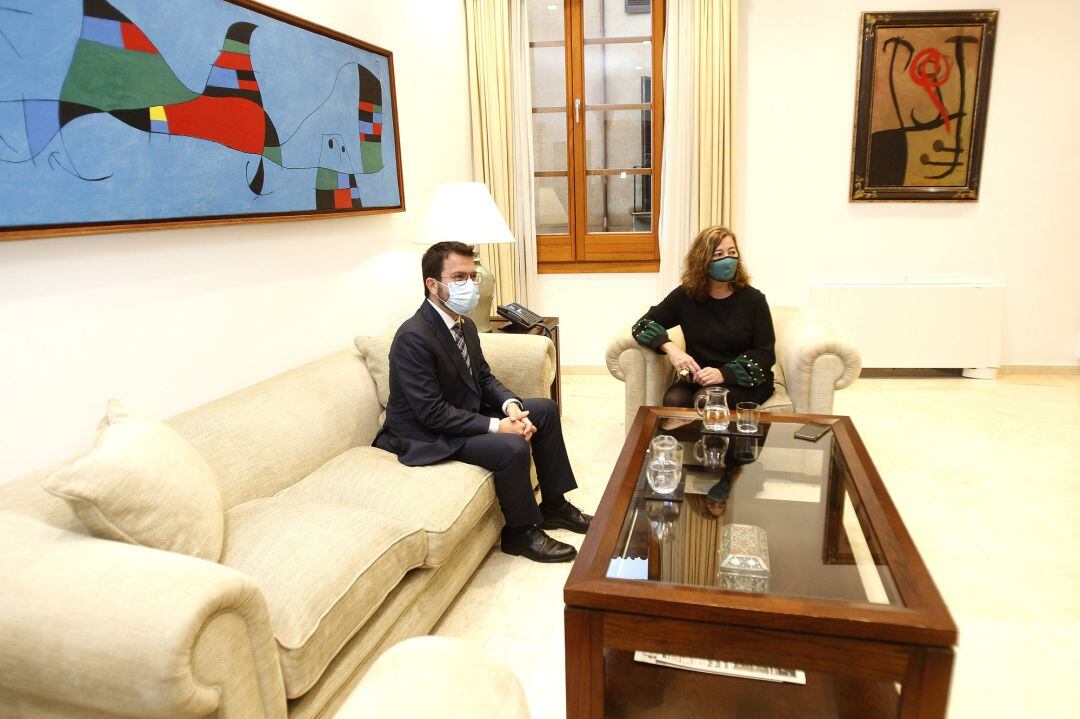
[700, 50]
[716, 52]
[678, 200]
[487, 39]
[524, 227]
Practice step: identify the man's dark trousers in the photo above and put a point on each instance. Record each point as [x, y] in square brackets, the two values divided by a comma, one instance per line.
[507, 455]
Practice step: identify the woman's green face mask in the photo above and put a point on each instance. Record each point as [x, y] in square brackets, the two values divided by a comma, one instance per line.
[723, 270]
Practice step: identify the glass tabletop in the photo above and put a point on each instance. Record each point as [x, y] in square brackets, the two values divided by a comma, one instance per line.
[765, 513]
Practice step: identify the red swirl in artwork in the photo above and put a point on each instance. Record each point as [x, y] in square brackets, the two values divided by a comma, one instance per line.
[930, 70]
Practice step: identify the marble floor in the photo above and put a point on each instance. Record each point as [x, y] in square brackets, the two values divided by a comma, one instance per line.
[986, 475]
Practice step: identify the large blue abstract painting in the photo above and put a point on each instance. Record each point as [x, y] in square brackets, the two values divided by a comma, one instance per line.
[126, 114]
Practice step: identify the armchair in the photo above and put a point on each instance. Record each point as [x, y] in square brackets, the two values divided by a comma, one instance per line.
[814, 358]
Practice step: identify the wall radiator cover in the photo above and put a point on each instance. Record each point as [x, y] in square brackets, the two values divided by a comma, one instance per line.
[925, 324]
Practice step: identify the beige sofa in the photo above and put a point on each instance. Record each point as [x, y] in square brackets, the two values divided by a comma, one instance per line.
[814, 358]
[333, 551]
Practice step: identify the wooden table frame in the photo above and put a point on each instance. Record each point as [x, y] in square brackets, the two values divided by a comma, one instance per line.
[910, 644]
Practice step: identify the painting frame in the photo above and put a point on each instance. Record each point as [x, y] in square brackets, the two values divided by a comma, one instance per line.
[881, 180]
[47, 230]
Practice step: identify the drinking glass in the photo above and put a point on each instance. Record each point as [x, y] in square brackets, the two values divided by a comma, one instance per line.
[746, 416]
[747, 449]
[663, 470]
[713, 408]
[709, 450]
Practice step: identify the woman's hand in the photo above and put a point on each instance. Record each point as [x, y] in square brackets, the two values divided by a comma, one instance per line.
[680, 360]
[708, 376]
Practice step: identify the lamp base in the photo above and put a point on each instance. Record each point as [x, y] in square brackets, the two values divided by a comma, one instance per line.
[481, 314]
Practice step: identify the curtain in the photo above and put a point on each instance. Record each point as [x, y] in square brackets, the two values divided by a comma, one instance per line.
[497, 42]
[700, 50]
[716, 50]
[521, 112]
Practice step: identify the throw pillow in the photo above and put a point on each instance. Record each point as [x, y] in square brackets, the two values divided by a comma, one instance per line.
[376, 354]
[142, 483]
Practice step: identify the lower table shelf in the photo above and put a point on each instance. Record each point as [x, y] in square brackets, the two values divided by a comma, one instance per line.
[634, 690]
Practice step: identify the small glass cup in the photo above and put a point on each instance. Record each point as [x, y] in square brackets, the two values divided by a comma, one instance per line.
[663, 470]
[709, 450]
[747, 449]
[746, 417]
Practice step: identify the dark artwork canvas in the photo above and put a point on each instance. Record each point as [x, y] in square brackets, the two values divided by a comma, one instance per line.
[136, 114]
[920, 115]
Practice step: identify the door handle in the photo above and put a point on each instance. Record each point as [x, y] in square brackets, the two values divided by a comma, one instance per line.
[577, 110]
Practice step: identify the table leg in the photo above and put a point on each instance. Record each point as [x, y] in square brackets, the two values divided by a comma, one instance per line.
[584, 631]
[925, 691]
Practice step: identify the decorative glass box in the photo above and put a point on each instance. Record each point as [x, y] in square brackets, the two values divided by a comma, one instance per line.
[744, 558]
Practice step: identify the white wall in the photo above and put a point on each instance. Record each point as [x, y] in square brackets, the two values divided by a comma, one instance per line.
[168, 320]
[795, 224]
[798, 64]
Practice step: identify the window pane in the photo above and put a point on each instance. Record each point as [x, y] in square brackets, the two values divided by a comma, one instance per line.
[551, 206]
[619, 204]
[545, 20]
[616, 18]
[618, 73]
[618, 139]
[549, 77]
[549, 141]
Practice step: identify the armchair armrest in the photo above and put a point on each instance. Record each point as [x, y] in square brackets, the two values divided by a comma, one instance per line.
[524, 363]
[647, 375]
[102, 627]
[817, 358]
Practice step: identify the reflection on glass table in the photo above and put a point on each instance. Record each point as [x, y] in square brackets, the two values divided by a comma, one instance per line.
[770, 514]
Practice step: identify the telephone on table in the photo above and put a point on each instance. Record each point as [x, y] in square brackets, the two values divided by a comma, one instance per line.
[521, 318]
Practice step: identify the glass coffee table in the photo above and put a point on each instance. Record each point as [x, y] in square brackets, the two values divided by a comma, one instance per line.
[778, 571]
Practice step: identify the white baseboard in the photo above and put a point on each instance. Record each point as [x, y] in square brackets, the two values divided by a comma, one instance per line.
[1070, 369]
[584, 369]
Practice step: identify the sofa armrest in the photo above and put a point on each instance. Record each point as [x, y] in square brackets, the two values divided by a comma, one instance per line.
[647, 375]
[524, 363]
[96, 626]
[817, 358]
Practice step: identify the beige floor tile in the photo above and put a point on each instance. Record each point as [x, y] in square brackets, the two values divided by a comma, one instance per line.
[986, 475]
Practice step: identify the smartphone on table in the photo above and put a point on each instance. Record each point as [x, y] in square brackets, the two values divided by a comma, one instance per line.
[812, 431]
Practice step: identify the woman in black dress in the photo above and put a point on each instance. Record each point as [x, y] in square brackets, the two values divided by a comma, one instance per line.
[726, 323]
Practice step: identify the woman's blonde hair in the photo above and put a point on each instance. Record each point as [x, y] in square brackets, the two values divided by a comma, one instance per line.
[695, 274]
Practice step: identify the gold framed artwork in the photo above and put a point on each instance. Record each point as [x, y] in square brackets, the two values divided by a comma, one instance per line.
[124, 115]
[920, 105]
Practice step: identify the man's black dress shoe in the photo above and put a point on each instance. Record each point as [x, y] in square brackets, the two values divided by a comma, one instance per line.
[533, 544]
[566, 517]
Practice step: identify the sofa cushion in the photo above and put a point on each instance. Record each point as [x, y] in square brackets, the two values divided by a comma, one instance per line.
[376, 354]
[143, 483]
[324, 569]
[446, 498]
[274, 433]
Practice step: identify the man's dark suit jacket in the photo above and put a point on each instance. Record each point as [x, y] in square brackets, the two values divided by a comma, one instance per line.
[435, 401]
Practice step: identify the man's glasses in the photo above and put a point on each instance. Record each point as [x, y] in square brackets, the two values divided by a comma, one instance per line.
[458, 279]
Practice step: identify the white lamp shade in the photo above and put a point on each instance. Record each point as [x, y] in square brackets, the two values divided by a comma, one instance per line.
[464, 212]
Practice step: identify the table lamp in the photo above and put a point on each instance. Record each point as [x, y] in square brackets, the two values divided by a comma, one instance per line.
[466, 212]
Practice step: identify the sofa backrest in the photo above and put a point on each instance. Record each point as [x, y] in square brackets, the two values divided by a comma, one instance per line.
[259, 440]
[271, 435]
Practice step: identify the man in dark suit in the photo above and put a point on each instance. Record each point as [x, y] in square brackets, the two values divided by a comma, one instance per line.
[445, 404]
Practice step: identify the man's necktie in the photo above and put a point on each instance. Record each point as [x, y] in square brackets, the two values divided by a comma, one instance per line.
[459, 337]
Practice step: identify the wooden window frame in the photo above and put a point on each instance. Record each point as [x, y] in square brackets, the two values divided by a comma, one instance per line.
[581, 251]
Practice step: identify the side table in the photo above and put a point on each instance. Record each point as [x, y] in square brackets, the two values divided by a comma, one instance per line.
[551, 324]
